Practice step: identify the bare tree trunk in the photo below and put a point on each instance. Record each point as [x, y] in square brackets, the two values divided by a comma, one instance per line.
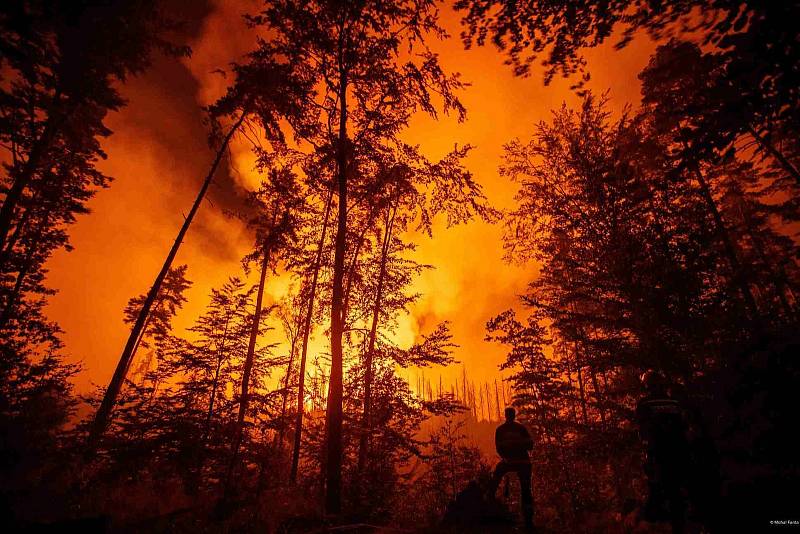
[333, 419]
[103, 414]
[473, 401]
[363, 443]
[301, 377]
[464, 386]
[497, 400]
[488, 401]
[244, 398]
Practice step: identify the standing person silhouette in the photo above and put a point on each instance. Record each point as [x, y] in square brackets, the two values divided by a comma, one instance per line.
[663, 432]
[513, 442]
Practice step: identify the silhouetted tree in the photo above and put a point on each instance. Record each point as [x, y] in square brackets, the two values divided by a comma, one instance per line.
[368, 91]
[277, 204]
[450, 462]
[62, 64]
[634, 274]
[62, 61]
[416, 190]
[223, 338]
[159, 324]
[751, 53]
[677, 89]
[307, 326]
[36, 403]
[109, 398]
[278, 96]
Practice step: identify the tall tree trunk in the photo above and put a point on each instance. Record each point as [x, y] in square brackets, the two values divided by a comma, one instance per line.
[215, 383]
[19, 227]
[724, 237]
[16, 292]
[333, 437]
[135, 350]
[777, 274]
[285, 396]
[103, 414]
[572, 408]
[464, 386]
[582, 390]
[244, 398]
[597, 396]
[301, 377]
[363, 442]
[765, 144]
[472, 400]
[351, 271]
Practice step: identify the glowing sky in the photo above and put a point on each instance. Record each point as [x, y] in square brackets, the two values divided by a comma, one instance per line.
[158, 156]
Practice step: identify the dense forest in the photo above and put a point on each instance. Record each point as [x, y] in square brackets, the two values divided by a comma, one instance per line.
[655, 234]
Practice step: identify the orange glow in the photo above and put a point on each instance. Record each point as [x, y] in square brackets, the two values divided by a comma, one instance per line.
[158, 155]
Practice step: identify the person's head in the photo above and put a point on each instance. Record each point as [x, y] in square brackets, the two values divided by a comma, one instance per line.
[654, 382]
[511, 414]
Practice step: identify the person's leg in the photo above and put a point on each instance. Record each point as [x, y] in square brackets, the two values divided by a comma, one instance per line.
[677, 507]
[655, 506]
[526, 493]
[499, 472]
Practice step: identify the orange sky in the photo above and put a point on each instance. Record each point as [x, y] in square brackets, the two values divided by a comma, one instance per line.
[158, 155]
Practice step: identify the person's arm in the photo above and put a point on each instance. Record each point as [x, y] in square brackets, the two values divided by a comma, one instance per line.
[497, 445]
